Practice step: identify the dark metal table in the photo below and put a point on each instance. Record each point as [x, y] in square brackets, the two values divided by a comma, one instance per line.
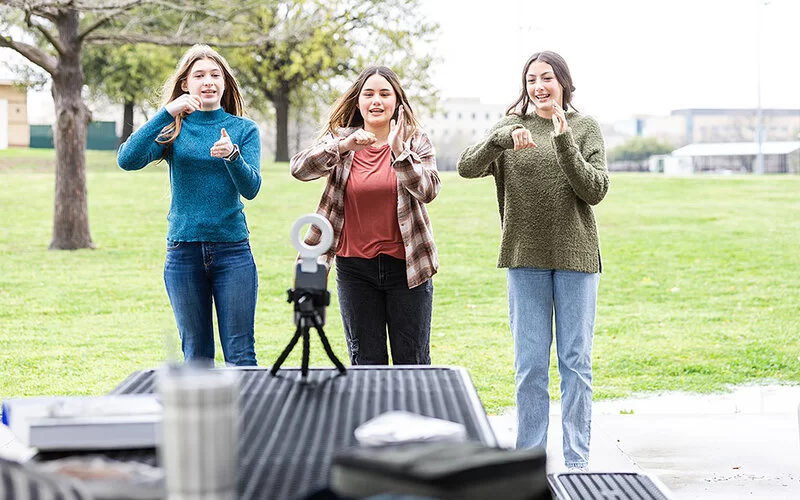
[290, 431]
[617, 485]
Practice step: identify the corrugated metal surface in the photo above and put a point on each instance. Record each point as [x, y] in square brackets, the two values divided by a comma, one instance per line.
[291, 430]
[21, 482]
[607, 486]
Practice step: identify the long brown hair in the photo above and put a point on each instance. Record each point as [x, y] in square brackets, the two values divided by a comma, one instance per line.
[561, 70]
[345, 113]
[231, 102]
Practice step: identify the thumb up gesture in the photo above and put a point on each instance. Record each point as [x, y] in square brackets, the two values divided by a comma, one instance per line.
[223, 147]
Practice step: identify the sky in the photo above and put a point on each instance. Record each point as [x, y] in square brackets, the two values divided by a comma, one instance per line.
[627, 57]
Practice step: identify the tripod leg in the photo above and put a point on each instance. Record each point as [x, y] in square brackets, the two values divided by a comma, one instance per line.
[306, 349]
[327, 346]
[285, 353]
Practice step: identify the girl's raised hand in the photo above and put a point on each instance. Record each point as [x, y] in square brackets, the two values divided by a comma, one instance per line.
[223, 147]
[559, 118]
[185, 103]
[397, 132]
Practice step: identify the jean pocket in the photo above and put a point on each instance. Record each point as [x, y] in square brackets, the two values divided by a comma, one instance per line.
[173, 245]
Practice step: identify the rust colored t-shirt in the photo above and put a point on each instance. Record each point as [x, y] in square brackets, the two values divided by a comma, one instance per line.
[370, 207]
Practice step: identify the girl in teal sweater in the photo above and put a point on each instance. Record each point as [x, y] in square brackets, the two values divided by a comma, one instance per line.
[214, 156]
[549, 168]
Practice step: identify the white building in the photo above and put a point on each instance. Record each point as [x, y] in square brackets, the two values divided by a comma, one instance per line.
[458, 123]
[780, 157]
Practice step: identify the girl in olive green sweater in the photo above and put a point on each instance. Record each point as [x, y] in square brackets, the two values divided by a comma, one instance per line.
[549, 168]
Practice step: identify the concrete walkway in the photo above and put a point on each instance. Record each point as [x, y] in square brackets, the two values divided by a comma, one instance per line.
[741, 445]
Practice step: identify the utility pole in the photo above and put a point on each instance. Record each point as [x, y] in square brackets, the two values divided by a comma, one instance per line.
[759, 166]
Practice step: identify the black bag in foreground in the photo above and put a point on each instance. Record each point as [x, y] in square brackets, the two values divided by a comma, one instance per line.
[442, 470]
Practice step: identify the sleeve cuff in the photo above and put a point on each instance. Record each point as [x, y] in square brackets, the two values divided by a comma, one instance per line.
[502, 136]
[332, 147]
[163, 118]
[406, 154]
[564, 141]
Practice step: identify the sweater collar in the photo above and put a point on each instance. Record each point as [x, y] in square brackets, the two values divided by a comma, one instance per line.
[206, 117]
[533, 116]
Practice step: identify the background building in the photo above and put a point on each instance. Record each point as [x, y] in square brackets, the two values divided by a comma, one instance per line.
[458, 123]
[698, 125]
[780, 157]
[13, 116]
[713, 140]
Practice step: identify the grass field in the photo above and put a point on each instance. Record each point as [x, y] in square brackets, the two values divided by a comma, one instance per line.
[701, 282]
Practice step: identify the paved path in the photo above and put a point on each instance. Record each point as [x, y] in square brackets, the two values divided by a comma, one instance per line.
[742, 445]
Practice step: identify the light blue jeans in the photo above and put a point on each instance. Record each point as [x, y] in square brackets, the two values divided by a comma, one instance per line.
[534, 295]
[201, 276]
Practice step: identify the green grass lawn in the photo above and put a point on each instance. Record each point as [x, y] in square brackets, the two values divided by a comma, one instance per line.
[701, 282]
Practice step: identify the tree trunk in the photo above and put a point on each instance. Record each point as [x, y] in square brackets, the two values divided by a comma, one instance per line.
[298, 127]
[71, 217]
[127, 122]
[281, 103]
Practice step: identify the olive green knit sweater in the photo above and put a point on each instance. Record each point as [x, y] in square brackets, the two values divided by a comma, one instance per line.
[545, 193]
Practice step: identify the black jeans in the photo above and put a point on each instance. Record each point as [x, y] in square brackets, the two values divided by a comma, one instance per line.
[374, 296]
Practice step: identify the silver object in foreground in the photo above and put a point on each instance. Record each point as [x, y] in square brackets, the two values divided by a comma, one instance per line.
[200, 433]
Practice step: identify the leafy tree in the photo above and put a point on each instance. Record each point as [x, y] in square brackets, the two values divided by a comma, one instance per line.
[128, 74]
[317, 41]
[53, 35]
[291, 45]
[639, 149]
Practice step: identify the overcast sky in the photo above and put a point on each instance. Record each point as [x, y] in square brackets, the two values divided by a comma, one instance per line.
[627, 57]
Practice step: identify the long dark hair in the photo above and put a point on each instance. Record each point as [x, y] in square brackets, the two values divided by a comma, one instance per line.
[231, 102]
[560, 68]
[345, 113]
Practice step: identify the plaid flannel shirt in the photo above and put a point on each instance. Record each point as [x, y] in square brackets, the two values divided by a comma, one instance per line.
[417, 183]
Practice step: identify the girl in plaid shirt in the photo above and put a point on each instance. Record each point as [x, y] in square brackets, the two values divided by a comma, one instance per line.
[381, 171]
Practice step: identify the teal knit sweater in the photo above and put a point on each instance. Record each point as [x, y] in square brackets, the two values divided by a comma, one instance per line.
[545, 193]
[206, 203]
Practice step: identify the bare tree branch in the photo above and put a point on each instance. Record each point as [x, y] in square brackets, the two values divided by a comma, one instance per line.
[107, 17]
[169, 41]
[46, 9]
[190, 10]
[33, 54]
[95, 6]
[50, 37]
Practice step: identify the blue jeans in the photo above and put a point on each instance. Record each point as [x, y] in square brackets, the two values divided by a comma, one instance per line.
[200, 276]
[373, 297]
[534, 295]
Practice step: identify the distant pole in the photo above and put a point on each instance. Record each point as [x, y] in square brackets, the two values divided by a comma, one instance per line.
[759, 167]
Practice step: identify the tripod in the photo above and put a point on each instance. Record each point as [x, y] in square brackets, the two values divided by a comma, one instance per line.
[309, 311]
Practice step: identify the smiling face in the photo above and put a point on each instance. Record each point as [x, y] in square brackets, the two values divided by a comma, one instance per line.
[206, 80]
[543, 88]
[377, 102]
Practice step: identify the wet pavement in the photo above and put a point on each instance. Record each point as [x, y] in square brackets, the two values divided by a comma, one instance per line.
[739, 445]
